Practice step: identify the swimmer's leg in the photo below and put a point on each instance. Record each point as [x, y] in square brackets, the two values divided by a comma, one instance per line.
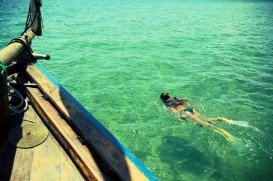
[232, 122]
[222, 132]
[206, 123]
[220, 119]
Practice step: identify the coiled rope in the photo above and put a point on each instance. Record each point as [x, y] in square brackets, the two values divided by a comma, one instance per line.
[22, 106]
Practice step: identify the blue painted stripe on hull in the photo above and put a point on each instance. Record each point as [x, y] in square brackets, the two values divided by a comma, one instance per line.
[95, 122]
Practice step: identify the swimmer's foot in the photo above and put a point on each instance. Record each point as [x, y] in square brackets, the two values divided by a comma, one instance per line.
[225, 120]
[211, 120]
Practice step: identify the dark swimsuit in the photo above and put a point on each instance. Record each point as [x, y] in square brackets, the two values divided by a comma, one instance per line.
[188, 109]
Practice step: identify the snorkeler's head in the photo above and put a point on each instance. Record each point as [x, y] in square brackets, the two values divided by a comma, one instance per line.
[164, 96]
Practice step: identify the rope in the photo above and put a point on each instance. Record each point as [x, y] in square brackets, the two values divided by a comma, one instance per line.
[12, 92]
[22, 106]
[26, 46]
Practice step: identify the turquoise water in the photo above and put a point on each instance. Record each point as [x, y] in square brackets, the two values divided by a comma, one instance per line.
[116, 57]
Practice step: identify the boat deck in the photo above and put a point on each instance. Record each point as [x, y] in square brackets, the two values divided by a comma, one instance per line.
[47, 161]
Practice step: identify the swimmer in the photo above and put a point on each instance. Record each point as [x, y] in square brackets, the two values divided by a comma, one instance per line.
[184, 110]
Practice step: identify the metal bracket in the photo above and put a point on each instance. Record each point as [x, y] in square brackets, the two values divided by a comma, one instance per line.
[39, 56]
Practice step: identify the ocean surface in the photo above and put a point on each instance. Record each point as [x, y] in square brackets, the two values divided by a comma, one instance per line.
[117, 57]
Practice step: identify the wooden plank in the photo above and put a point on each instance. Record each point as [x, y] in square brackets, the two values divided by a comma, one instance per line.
[21, 168]
[66, 172]
[47, 161]
[68, 137]
[49, 157]
[120, 164]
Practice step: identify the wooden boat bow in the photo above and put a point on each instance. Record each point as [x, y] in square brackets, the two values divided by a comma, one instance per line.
[92, 152]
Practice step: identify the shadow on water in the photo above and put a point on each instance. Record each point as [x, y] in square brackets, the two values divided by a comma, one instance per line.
[187, 161]
[191, 163]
